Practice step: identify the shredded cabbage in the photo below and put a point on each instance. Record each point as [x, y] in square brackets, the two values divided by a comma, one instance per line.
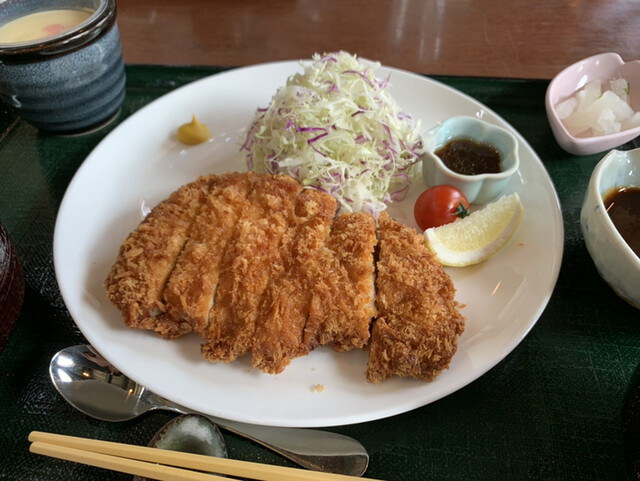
[334, 127]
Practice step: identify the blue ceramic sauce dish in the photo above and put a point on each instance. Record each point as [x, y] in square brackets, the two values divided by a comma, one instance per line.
[71, 79]
[478, 188]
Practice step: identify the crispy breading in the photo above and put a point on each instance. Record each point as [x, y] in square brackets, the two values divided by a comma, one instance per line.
[353, 241]
[147, 257]
[417, 331]
[189, 294]
[285, 307]
[285, 277]
[247, 267]
[342, 304]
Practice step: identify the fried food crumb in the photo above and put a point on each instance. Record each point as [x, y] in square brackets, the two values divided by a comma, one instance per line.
[317, 388]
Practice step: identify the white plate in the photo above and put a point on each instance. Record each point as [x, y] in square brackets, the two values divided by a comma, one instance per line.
[141, 162]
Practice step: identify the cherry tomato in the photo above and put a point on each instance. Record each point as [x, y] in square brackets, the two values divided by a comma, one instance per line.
[440, 205]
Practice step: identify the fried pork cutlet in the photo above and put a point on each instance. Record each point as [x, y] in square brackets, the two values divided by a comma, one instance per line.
[147, 257]
[285, 307]
[247, 267]
[254, 264]
[191, 288]
[342, 305]
[417, 331]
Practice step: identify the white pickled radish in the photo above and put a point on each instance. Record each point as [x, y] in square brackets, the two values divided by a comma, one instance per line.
[577, 123]
[564, 108]
[591, 112]
[589, 94]
[632, 122]
[606, 123]
[620, 87]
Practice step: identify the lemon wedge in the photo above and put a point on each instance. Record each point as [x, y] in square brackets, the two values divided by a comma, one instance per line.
[478, 236]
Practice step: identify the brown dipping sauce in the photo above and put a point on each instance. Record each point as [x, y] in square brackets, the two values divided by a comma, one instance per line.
[623, 207]
[468, 157]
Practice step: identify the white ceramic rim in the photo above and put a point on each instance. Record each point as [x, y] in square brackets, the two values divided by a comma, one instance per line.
[504, 296]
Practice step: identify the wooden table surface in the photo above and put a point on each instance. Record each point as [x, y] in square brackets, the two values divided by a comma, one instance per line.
[484, 38]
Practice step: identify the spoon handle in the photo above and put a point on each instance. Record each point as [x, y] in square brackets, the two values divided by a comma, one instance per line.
[313, 449]
[310, 448]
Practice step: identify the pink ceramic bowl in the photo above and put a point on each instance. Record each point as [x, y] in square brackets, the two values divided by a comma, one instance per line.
[604, 66]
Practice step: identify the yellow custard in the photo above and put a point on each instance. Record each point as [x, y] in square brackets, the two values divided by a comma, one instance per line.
[36, 26]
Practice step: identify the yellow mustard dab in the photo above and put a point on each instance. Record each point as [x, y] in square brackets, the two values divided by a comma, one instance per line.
[193, 133]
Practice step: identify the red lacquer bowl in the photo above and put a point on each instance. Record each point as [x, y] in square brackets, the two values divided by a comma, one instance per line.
[11, 285]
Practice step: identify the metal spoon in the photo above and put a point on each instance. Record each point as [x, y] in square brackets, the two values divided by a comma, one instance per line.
[96, 388]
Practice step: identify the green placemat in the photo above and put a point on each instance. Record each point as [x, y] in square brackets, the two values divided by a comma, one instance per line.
[550, 410]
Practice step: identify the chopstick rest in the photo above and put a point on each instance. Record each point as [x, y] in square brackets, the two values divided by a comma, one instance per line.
[162, 464]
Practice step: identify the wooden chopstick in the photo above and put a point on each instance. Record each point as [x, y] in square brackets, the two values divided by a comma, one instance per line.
[163, 464]
[122, 465]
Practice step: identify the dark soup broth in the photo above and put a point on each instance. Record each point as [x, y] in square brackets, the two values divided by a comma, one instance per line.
[623, 207]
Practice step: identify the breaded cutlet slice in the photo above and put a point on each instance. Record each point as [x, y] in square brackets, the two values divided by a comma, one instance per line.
[147, 257]
[343, 305]
[285, 307]
[247, 267]
[190, 290]
[353, 241]
[417, 331]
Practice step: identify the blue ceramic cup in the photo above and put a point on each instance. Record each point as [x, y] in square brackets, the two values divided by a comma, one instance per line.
[71, 81]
